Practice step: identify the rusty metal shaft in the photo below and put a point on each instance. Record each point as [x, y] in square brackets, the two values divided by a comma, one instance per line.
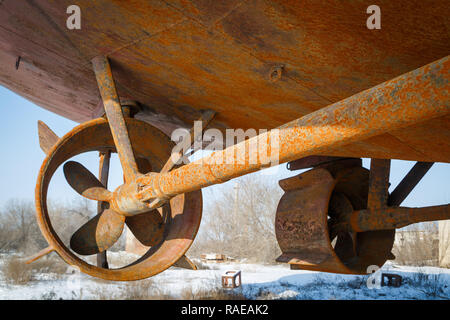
[411, 98]
[103, 175]
[116, 121]
[396, 217]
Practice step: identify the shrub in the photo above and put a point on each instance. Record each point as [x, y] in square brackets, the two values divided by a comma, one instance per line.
[16, 271]
[240, 221]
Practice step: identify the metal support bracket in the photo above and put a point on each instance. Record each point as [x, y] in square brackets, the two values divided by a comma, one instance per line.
[115, 116]
[409, 182]
[102, 260]
[382, 211]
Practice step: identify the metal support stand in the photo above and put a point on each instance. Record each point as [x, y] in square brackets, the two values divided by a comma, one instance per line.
[102, 260]
[231, 279]
[409, 182]
[393, 280]
[382, 211]
[378, 183]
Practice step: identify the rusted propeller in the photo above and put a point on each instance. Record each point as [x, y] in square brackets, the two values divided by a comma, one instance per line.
[170, 233]
[316, 209]
[181, 215]
[102, 231]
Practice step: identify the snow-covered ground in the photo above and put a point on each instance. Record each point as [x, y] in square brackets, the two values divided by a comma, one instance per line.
[258, 282]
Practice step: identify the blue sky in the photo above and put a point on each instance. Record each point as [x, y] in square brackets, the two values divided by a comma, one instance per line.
[21, 158]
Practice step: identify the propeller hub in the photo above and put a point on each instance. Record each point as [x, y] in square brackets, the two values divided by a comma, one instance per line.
[126, 201]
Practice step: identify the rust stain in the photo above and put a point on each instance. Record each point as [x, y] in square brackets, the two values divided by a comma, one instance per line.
[216, 55]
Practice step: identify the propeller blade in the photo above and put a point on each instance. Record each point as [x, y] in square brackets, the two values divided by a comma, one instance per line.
[185, 263]
[84, 182]
[147, 227]
[47, 138]
[344, 247]
[98, 234]
[339, 206]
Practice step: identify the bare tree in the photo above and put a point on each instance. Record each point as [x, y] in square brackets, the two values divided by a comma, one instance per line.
[68, 217]
[417, 245]
[444, 243]
[240, 221]
[19, 230]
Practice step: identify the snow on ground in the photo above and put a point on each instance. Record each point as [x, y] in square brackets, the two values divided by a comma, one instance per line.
[258, 282]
